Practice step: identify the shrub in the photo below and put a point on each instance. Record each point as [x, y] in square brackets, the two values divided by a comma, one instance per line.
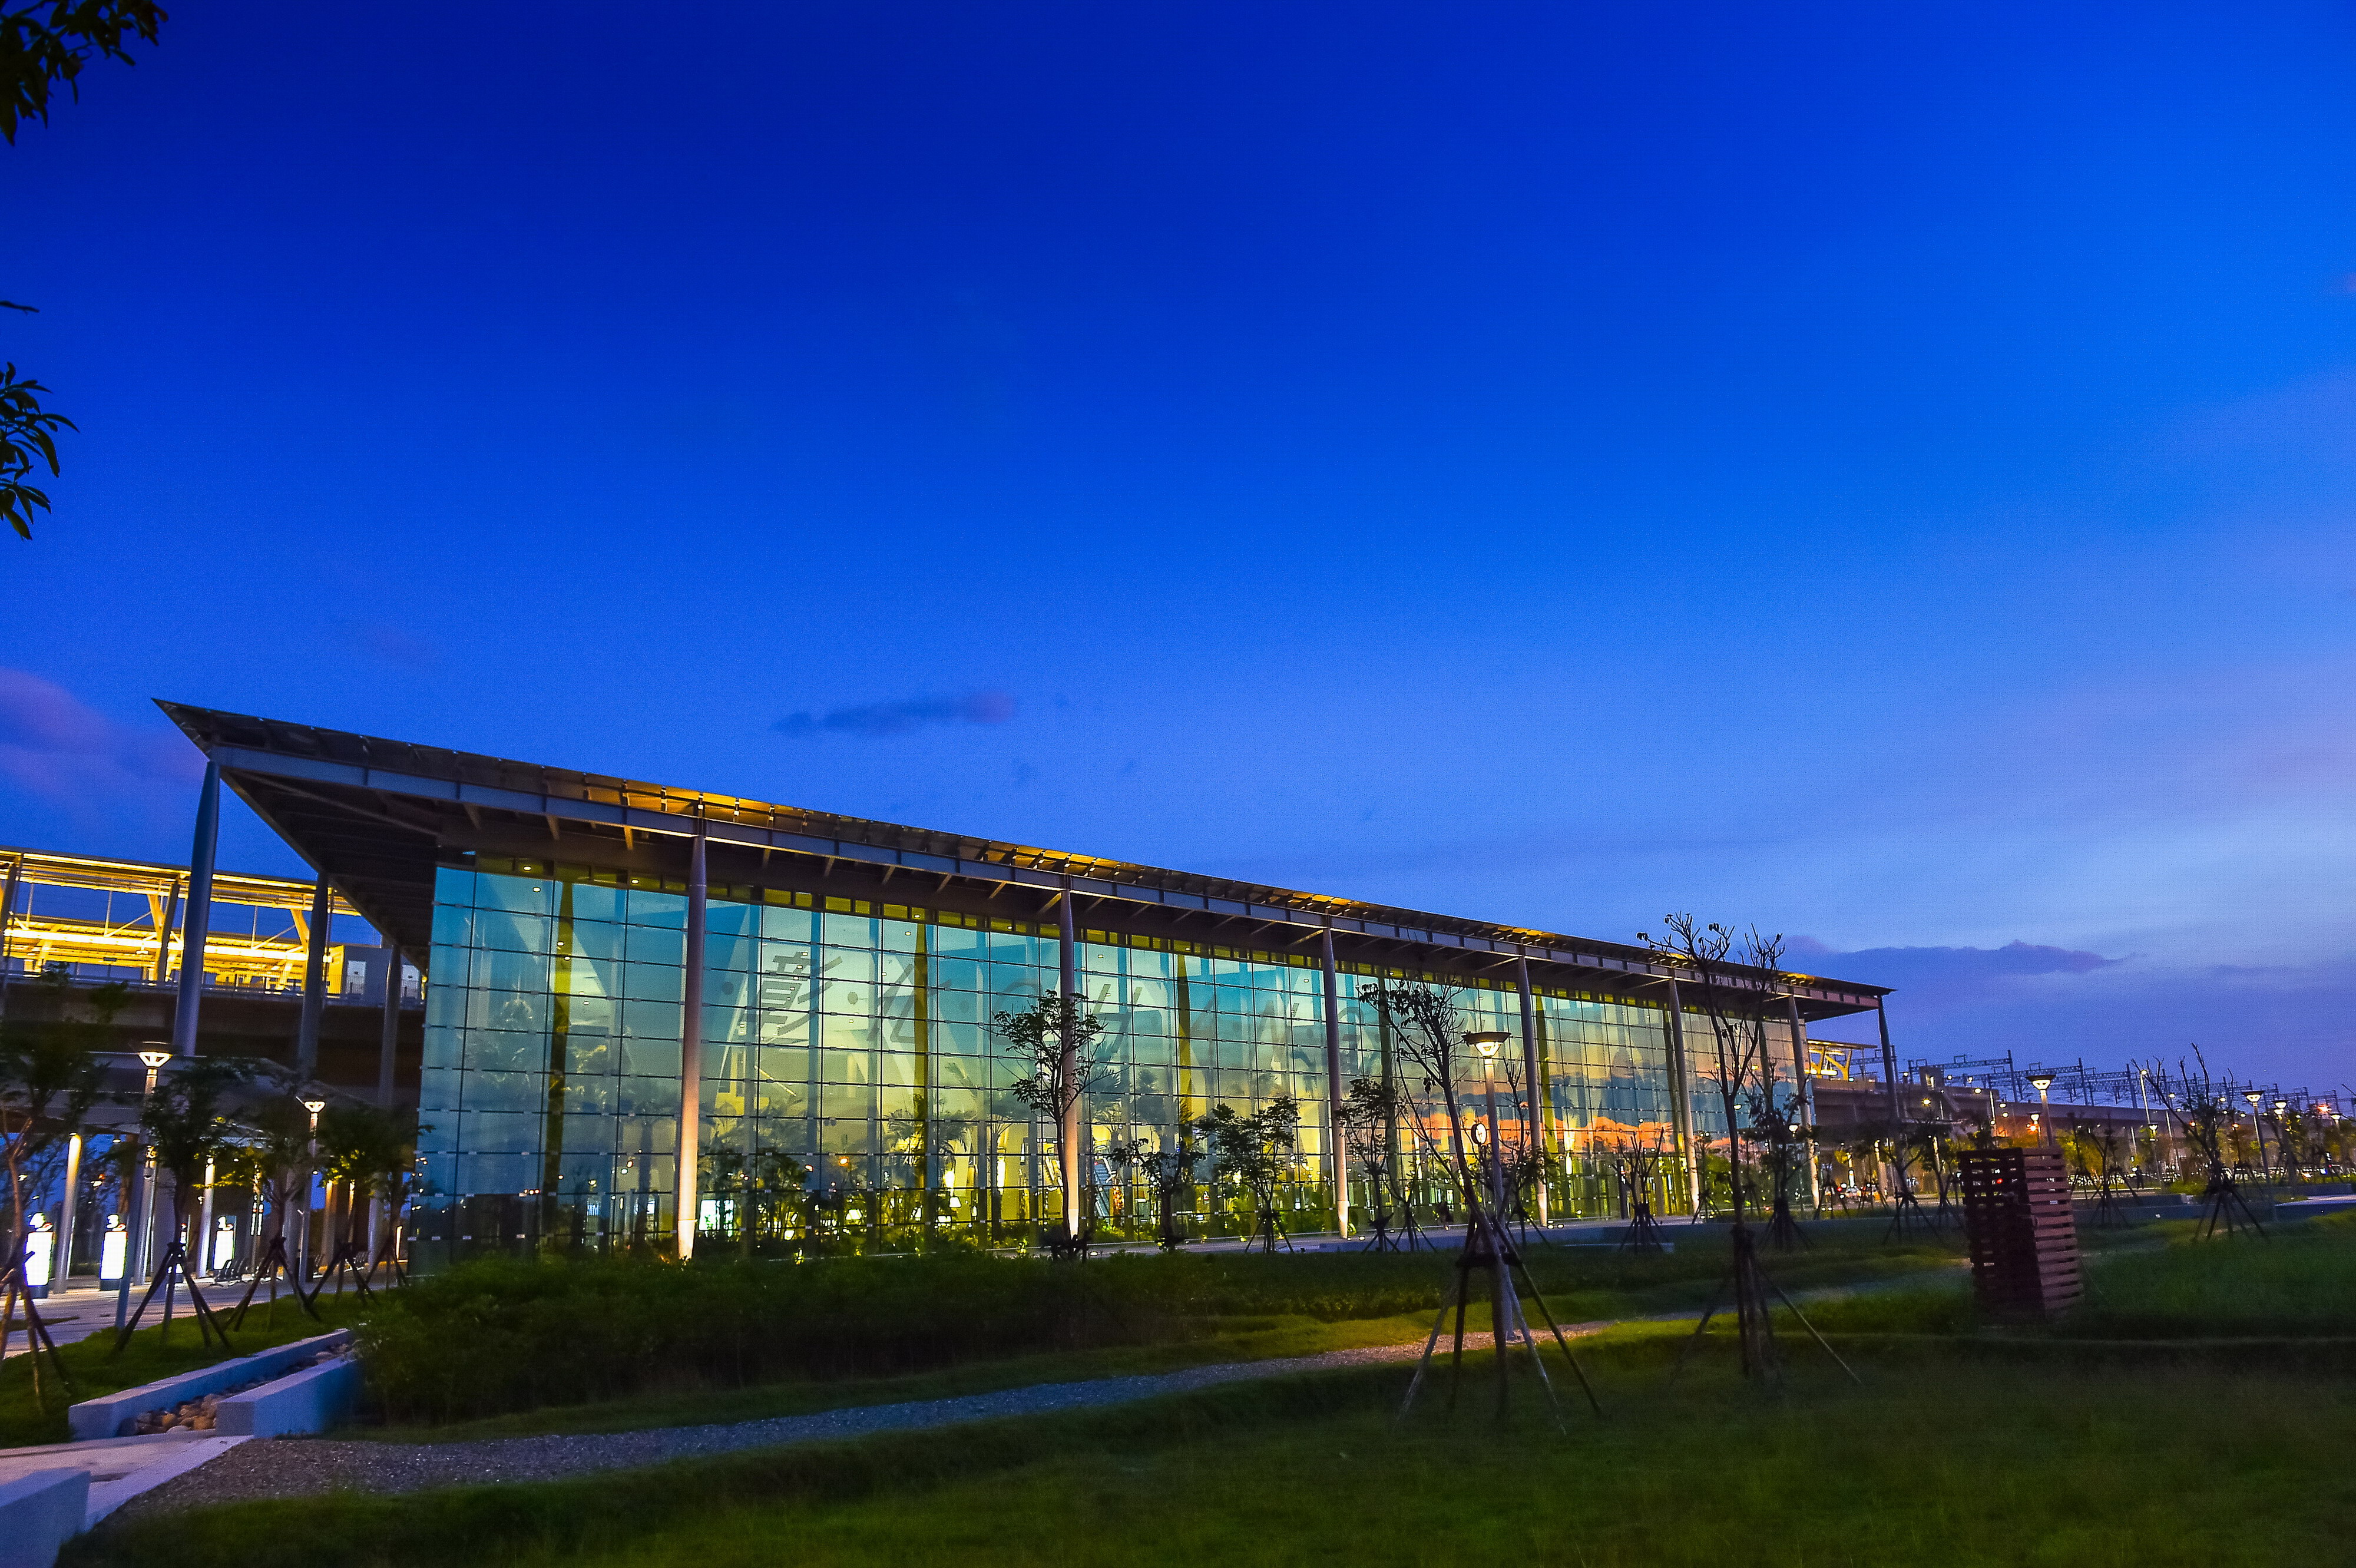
[500, 1335]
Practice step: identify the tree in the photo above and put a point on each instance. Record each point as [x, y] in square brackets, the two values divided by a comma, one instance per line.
[1370, 1118]
[50, 1077]
[2201, 1106]
[1255, 1151]
[186, 1130]
[1056, 1041]
[43, 46]
[1170, 1174]
[1737, 989]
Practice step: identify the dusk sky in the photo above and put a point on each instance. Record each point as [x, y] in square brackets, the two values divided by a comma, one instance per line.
[1883, 473]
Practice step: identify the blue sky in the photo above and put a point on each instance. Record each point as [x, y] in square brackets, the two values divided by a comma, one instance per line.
[1882, 474]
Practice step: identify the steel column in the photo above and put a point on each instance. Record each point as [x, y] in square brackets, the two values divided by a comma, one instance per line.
[1681, 1099]
[1535, 1087]
[7, 917]
[1068, 1134]
[314, 981]
[1338, 1152]
[200, 913]
[690, 1200]
[164, 937]
[65, 1213]
[389, 1036]
[1889, 1067]
[1804, 1091]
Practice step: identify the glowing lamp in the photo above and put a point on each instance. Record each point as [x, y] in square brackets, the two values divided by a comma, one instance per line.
[113, 1252]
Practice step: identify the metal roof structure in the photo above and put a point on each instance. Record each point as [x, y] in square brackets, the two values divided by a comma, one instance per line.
[377, 816]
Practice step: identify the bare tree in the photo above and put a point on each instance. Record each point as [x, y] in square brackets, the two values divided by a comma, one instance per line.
[2201, 1106]
[1427, 1031]
[1370, 1118]
[1738, 988]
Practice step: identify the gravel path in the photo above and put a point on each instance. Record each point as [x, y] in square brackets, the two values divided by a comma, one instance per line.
[299, 1468]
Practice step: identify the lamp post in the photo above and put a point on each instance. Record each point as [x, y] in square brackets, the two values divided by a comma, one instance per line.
[141, 1218]
[2042, 1081]
[2282, 1148]
[2258, 1131]
[1486, 1042]
[313, 1104]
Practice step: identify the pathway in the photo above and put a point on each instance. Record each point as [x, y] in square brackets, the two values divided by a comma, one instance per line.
[299, 1468]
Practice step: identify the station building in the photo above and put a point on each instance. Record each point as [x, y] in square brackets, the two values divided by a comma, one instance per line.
[629, 986]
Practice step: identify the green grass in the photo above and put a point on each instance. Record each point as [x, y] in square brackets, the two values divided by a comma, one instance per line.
[1944, 1464]
[1160, 1313]
[96, 1369]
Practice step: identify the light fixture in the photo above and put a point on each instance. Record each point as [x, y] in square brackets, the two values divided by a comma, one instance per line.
[1487, 1041]
[314, 1106]
[2041, 1081]
[155, 1058]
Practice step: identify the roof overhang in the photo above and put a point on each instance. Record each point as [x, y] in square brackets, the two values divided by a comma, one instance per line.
[375, 817]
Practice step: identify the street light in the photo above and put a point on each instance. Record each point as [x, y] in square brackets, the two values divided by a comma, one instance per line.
[2041, 1081]
[154, 1058]
[314, 1103]
[2258, 1128]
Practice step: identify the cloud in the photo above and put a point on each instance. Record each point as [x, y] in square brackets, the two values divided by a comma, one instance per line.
[54, 744]
[876, 720]
[1949, 978]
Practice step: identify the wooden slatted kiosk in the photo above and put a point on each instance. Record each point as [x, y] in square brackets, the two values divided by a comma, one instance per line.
[2024, 1240]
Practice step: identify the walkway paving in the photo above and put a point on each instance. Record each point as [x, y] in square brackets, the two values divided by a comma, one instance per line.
[121, 1468]
[301, 1468]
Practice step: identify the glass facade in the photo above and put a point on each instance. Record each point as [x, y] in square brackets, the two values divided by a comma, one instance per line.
[848, 1043]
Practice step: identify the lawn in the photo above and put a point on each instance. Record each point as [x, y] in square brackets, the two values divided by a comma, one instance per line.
[1946, 1464]
[2117, 1437]
[510, 1349]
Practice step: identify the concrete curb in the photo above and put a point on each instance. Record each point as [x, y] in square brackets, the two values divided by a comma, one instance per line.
[105, 1417]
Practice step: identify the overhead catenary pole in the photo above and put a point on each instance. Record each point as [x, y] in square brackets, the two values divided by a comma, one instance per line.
[1336, 1153]
[1536, 1085]
[1068, 1134]
[689, 1203]
[1681, 1097]
[314, 980]
[200, 913]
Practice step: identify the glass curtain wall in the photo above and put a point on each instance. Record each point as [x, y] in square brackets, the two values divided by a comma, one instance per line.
[852, 1086]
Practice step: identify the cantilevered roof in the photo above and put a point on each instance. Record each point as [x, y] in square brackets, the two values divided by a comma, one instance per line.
[375, 816]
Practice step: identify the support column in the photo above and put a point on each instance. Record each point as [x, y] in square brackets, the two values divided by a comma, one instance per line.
[314, 981]
[1535, 1084]
[389, 1036]
[164, 937]
[1804, 1090]
[1338, 1151]
[689, 1203]
[200, 915]
[1681, 1099]
[201, 1251]
[1889, 1068]
[7, 918]
[1068, 1134]
[66, 1212]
